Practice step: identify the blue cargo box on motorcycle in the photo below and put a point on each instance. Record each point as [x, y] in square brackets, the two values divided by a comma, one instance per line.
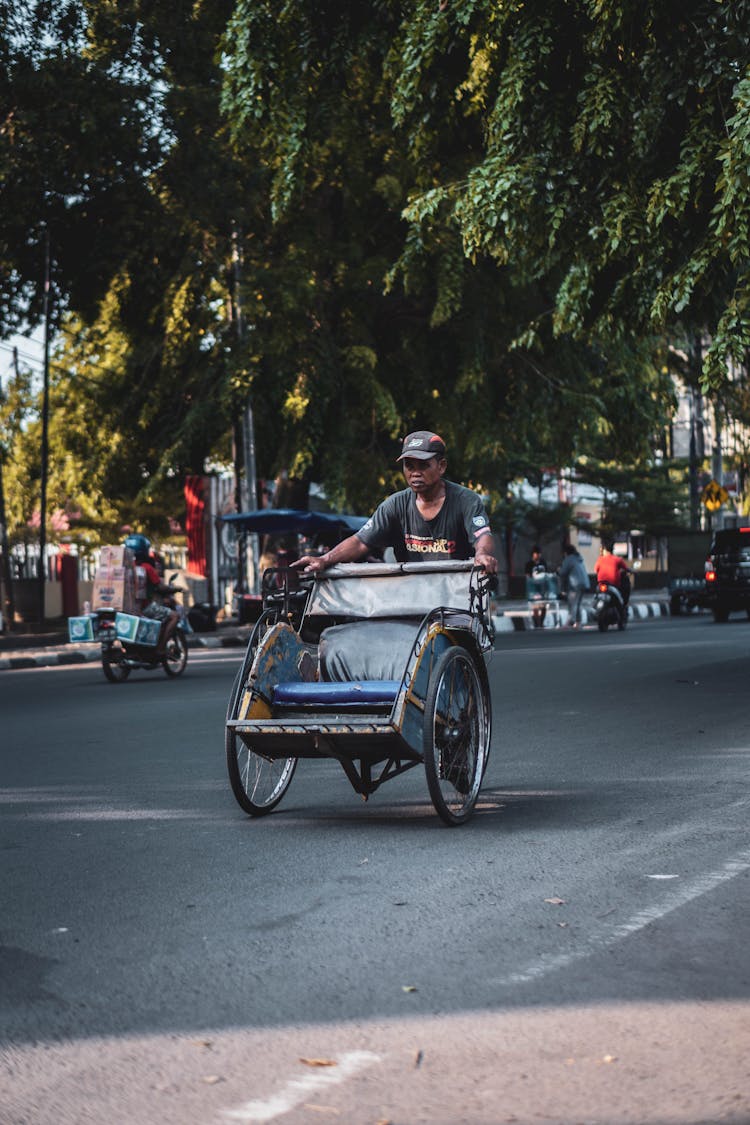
[80, 629]
[137, 630]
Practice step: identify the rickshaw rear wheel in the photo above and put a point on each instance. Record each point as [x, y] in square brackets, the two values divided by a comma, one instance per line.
[456, 735]
[258, 783]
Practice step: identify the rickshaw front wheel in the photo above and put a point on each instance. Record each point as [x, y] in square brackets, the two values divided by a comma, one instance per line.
[456, 735]
[258, 783]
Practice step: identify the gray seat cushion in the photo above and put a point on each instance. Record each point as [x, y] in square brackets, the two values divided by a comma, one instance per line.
[367, 650]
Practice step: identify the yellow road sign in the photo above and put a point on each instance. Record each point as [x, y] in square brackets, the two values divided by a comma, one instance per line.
[714, 495]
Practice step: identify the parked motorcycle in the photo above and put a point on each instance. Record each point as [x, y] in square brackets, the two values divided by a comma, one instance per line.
[608, 607]
[130, 642]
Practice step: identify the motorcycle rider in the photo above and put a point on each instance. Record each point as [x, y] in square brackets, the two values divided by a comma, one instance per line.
[156, 589]
[613, 570]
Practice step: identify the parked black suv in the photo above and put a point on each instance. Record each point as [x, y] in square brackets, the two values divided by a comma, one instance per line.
[728, 572]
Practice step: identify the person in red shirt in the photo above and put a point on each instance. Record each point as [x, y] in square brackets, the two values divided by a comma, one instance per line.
[159, 594]
[612, 569]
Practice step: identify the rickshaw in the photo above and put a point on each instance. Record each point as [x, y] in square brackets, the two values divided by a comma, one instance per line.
[378, 666]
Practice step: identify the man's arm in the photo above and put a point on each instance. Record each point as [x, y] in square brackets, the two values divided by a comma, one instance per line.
[348, 550]
[484, 553]
[477, 528]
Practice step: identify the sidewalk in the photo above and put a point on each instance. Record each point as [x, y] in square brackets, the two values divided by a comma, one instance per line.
[38, 650]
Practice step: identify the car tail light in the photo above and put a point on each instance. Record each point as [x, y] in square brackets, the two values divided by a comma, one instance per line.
[602, 587]
[710, 576]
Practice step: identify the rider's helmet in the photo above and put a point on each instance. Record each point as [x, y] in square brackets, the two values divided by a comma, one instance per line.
[140, 546]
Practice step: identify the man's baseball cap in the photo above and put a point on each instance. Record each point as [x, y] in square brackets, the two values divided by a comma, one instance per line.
[422, 444]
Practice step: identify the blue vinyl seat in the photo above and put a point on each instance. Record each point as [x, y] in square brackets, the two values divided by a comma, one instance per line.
[344, 693]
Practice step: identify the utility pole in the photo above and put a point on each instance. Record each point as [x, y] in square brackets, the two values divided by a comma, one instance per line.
[45, 435]
[248, 491]
[9, 608]
[697, 450]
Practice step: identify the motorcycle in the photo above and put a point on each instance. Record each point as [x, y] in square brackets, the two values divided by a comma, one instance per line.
[608, 607]
[129, 642]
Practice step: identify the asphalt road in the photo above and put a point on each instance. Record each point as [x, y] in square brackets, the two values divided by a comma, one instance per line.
[577, 953]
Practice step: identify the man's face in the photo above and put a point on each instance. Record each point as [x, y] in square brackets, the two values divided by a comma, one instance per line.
[422, 476]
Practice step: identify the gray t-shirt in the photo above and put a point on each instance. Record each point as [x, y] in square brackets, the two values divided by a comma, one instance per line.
[452, 534]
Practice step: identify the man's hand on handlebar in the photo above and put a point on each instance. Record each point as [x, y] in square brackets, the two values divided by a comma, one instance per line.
[348, 550]
[486, 561]
[311, 563]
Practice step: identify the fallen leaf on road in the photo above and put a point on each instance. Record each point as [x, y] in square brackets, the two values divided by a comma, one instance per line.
[201, 1042]
[609, 1058]
[562, 925]
[418, 1058]
[322, 1108]
[408, 988]
[211, 1079]
[555, 901]
[319, 1062]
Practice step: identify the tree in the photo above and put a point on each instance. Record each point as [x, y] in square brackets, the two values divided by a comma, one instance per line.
[445, 343]
[264, 253]
[131, 164]
[614, 156]
[79, 135]
[653, 499]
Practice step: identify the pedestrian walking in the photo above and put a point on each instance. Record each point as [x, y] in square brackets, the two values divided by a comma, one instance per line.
[574, 580]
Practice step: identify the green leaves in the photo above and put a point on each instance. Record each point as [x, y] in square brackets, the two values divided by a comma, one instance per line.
[375, 217]
[615, 161]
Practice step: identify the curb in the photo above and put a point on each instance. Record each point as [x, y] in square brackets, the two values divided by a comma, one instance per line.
[49, 657]
[231, 640]
[519, 620]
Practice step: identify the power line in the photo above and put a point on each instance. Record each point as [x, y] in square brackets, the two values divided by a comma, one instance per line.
[74, 376]
[25, 356]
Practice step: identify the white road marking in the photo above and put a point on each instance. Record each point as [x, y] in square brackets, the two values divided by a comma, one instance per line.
[695, 889]
[298, 1089]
